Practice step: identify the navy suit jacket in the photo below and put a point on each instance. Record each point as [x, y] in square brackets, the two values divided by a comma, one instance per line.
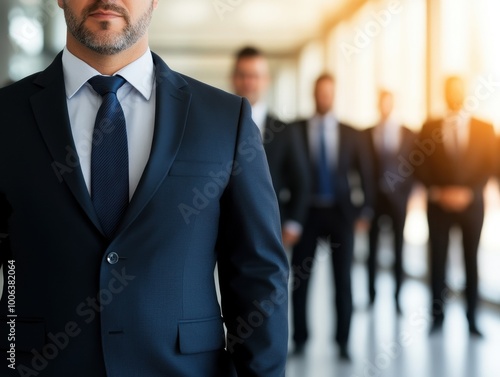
[151, 308]
[289, 168]
[352, 160]
[387, 180]
[474, 167]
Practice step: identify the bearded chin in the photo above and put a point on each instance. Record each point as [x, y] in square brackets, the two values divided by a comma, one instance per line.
[106, 42]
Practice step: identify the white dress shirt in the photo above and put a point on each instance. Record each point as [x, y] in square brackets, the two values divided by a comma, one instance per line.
[331, 137]
[137, 98]
[387, 136]
[456, 124]
[259, 115]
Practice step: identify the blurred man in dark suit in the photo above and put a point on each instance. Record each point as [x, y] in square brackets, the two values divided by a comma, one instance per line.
[459, 163]
[388, 142]
[335, 151]
[285, 155]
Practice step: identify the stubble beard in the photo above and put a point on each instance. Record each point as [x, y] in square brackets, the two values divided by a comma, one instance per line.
[107, 43]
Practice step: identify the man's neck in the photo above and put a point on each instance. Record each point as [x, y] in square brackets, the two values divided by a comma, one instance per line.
[107, 64]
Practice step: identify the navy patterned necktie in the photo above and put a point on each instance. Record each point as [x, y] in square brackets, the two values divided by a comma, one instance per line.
[109, 158]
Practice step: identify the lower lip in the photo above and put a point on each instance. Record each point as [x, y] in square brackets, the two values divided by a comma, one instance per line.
[101, 16]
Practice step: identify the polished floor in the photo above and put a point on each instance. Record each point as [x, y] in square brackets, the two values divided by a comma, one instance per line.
[383, 344]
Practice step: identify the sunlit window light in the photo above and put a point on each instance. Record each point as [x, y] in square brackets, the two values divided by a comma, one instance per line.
[26, 32]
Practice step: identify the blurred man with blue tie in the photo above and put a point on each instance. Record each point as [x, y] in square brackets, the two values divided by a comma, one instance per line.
[122, 185]
[335, 151]
[388, 142]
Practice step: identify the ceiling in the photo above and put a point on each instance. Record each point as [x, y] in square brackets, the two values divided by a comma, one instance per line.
[276, 26]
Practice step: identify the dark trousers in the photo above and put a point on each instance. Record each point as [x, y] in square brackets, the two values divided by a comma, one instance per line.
[396, 212]
[329, 224]
[440, 222]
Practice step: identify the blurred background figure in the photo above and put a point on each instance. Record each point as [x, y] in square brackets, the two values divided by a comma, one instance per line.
[460, 160]
[334, 151]
[285, 155]
[388, 144]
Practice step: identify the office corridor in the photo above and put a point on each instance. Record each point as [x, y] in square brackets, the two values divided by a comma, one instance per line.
[385, 345]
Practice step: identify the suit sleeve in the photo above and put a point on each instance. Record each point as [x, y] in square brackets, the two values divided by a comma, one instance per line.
[364, 165]
[496, 169]
[4, 241]
[487, 146]
[423, 172]
[252, 265]
[297, 175]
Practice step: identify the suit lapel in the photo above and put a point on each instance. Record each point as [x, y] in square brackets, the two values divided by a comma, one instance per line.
[51, 113]
[372, 148]
[474, 150]
[267, 129]
[470, 150]
[342, 145]
[303, 127]
[442, 159]
[172, 107]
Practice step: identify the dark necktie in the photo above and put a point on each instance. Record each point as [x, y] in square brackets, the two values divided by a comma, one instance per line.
[109, 158]
[325, 177]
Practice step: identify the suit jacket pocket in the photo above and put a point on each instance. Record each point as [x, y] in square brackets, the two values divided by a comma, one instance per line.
[201, 335]
[195, 169]
[25, 333]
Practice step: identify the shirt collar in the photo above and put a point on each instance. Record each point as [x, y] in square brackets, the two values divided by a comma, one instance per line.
[459, 119]
[329, 120]
[389, 124]
[139, 73]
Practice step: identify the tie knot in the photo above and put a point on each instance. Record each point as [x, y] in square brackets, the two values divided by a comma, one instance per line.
[106, 84]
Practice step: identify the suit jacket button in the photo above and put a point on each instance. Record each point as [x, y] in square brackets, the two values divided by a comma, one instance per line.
[112, 258]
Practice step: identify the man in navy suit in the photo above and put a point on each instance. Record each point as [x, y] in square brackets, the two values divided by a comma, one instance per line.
[388, 142]
[137, 297]
[336, 153]
[284, 150]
